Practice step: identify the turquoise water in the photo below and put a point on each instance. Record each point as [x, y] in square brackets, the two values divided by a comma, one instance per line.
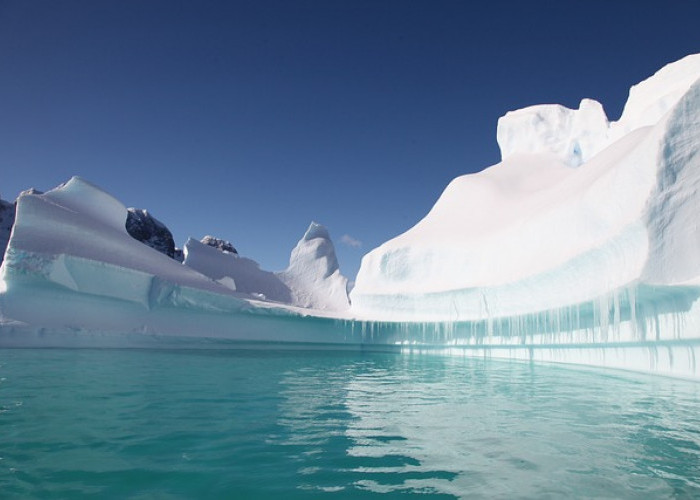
[306, 424]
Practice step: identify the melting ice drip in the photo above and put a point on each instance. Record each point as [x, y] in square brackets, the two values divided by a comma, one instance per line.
[637, 327]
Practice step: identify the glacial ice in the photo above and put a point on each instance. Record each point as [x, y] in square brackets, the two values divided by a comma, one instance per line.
[580, 246]
[536, 233]
[313, 274]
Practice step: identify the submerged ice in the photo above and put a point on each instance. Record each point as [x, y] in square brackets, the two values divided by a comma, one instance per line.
[582, 245]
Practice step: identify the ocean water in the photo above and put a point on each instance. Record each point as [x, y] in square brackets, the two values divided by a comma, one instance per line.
[325, 424]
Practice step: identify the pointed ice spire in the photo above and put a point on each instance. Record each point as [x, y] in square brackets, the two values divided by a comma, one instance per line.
[313, 274]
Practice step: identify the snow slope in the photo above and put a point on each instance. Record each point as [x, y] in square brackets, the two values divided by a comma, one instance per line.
[570, 215]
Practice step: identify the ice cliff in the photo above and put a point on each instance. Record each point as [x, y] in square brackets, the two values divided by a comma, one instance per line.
[578, 209]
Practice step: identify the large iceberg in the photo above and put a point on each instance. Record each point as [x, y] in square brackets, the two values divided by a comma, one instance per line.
[73, 269]
[582, 245]
[571, 215]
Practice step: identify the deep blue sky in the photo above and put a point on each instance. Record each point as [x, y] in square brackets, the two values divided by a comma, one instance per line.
[249, 119]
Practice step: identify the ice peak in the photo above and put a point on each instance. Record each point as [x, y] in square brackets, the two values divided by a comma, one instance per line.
[223, 245]
[650, 99]
[313, 274]
[316, 230]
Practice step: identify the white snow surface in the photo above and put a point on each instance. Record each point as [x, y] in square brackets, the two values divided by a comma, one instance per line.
[70, 244]
[575, 136]
[313, 274]
[312, 280]
[235, 272]
[75, 236]
[570, 214]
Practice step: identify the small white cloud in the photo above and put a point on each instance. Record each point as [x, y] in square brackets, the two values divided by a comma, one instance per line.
[350, 241]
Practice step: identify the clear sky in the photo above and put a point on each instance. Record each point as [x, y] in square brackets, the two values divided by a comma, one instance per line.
[248, 119]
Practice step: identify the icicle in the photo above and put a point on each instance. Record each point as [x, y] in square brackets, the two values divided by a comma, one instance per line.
[632, 299]
[616, 314]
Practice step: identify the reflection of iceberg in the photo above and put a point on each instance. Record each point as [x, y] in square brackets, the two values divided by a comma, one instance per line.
[443, 425]
[582, 245]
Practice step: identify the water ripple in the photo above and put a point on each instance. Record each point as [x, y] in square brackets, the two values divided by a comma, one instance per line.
[256, 424]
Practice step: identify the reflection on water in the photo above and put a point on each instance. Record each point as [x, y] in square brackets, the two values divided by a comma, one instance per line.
[469, 427]
[261, 424]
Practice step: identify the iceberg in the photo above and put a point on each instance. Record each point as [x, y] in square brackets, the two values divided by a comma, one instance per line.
[570, 215]
[314, 275]
[581, 246]
[584, 236]
[312, 280]
[73, 275]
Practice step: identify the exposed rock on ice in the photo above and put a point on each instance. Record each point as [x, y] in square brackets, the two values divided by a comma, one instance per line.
[145, 228]
[223, 245]
[7, 219]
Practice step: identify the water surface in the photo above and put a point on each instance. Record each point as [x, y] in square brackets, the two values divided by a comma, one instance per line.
[304, 424]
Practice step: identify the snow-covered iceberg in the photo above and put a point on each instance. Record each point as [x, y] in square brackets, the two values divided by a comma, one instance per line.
[586, 233]
[72, 269]
[313, 274]
[582, 245]
[570, 215]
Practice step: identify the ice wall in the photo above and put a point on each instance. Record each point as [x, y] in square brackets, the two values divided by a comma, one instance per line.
[72, 269]
[532, 233]
[580, 246]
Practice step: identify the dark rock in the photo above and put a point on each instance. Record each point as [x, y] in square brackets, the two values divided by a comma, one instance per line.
[7, 220]
[179, 255]
[145, 228]
[223, 245]
[31, 191]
